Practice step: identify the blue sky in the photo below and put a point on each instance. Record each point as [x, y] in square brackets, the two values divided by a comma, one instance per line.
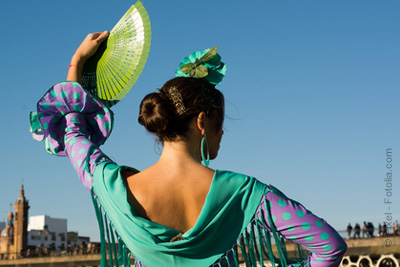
[312, 93]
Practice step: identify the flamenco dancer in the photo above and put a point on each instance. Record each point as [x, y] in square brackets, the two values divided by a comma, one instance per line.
[178, 211]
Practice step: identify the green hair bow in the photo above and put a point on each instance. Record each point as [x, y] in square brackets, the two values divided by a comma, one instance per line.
[206, 64]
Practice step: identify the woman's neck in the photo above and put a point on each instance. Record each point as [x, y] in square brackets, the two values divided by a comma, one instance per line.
[180, 154]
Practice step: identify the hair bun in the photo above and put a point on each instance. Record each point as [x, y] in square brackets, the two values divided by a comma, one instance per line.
[154, 113]
[169, 112]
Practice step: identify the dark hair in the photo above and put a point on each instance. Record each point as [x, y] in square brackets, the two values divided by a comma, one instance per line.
[168, 116]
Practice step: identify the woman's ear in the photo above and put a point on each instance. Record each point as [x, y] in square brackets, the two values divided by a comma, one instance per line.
[201, 122]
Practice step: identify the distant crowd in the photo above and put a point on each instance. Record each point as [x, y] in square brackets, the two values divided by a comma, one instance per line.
[368, 229]
[41, 251]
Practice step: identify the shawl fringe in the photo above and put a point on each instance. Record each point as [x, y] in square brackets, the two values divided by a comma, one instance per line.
[118, 252]
[254, 247]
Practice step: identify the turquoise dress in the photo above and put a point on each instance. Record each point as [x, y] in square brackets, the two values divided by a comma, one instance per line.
[240, 215]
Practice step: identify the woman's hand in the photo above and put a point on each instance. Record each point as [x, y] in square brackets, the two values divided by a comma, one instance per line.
[87, 48]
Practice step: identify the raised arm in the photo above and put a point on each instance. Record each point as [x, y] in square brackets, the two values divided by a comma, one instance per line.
[87, 48]
[75, 123]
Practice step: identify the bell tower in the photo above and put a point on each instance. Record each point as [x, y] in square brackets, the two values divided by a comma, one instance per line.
[21, 224]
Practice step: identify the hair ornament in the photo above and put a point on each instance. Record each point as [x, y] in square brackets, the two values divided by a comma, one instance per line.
[206, 64]
[176, 99]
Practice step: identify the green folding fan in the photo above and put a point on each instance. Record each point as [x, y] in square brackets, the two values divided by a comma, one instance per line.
[117, 64]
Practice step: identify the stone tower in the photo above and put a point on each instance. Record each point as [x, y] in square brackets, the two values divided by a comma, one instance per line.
[21, 224]
[7, 239]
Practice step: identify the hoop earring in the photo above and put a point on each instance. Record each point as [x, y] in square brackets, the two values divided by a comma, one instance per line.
[205, 161]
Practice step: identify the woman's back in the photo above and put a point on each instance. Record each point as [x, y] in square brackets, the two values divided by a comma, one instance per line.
[168, 196]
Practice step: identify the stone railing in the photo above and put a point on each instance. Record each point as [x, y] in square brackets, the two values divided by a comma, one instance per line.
[370, 261]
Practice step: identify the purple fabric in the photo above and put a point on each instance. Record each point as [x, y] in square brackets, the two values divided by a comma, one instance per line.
[75, 124]
[296, 223]
[83, 153]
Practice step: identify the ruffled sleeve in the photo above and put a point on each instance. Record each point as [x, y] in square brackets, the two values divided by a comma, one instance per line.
[73, 123]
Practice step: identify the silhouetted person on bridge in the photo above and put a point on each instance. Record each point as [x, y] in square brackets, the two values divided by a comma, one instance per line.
[349, 229]
[371, 229]
[384, 228]
[364, 230]
[357, 230]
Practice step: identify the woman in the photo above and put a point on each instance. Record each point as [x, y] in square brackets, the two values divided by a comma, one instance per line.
[177, 212]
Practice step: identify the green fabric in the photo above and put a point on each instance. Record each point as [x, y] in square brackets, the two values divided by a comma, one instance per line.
[205, 64]
[36, 127]
[229, 207]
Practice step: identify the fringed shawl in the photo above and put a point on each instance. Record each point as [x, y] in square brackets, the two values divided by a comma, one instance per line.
[226, 224]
